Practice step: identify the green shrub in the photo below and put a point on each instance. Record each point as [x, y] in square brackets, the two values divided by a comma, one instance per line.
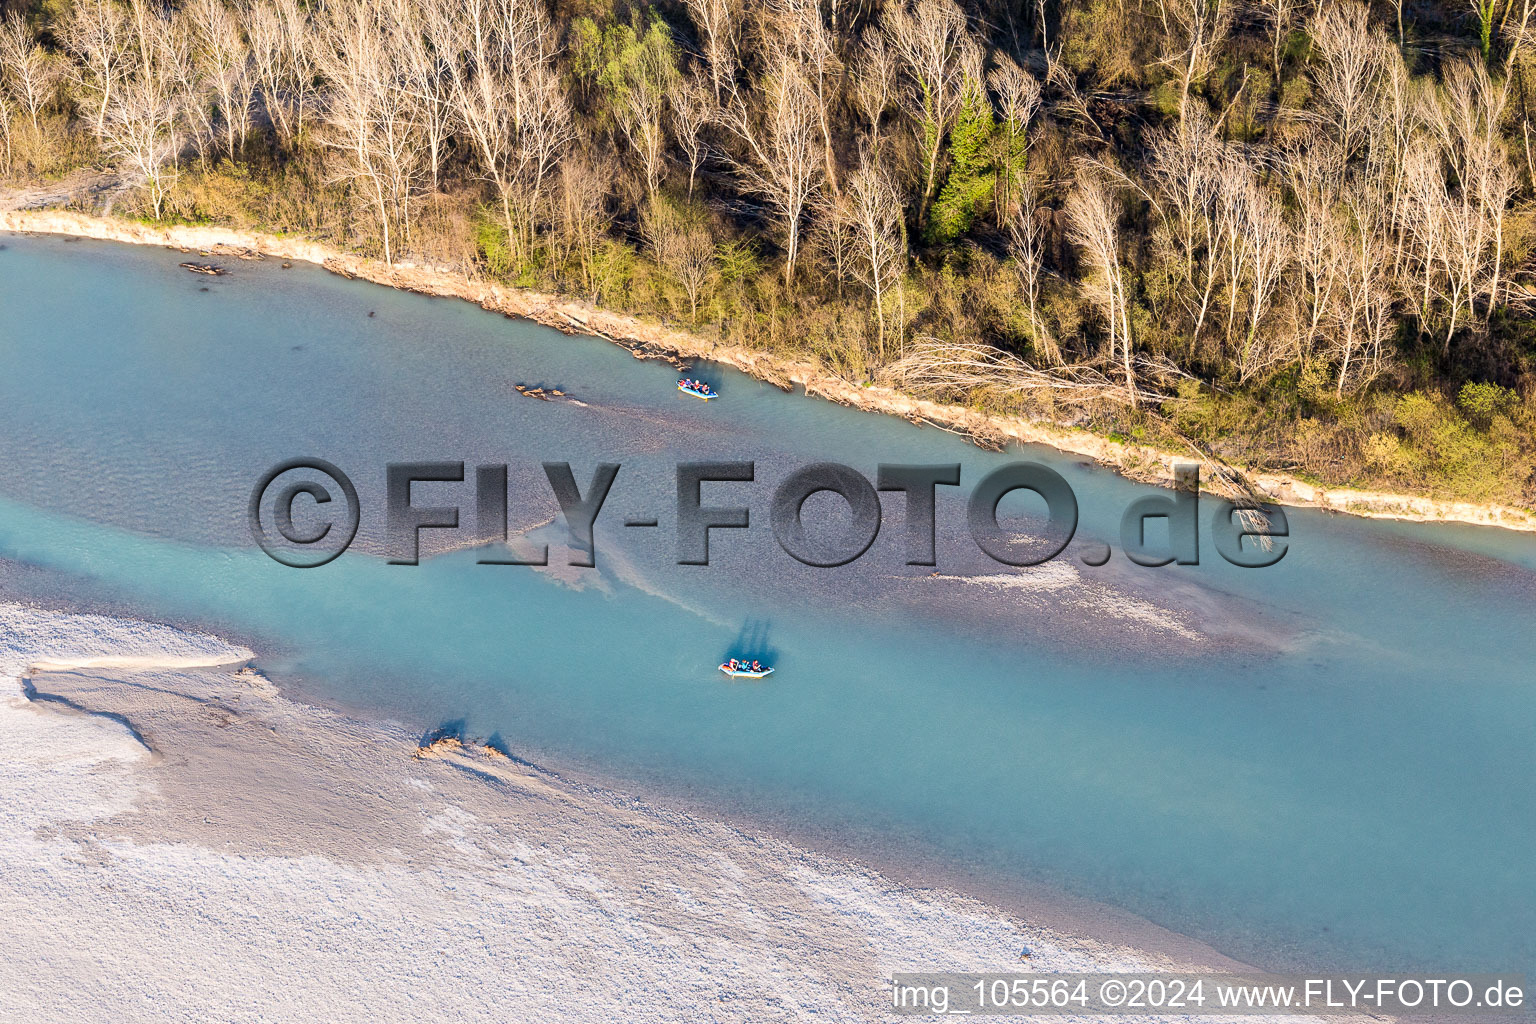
[495, 249]
[1482, 402]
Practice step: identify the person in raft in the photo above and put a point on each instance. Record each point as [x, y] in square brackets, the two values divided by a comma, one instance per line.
[756, 667]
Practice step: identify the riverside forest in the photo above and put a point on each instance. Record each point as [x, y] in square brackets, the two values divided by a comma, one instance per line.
[1290, 235]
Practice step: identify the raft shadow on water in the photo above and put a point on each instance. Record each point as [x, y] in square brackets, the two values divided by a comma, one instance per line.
[751, 644]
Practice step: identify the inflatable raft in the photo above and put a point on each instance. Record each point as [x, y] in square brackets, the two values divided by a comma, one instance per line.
[697, 389]
[745, 673]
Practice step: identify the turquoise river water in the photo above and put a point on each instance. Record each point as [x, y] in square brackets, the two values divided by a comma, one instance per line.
[1328, 762]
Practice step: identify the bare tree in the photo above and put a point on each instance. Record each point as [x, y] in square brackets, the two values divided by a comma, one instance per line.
[95, 34]
[1268, 253]
[939, 58]
[1314, 173]
[1516, 27]
[585, 186]
[1398, 122]
[782, 160]
[279, 34]
[833, 236]
[6, 119]
[1423, 221]
[1362, 322]
[1018, 99]
[684, 246]
[1018, 95]
[544, 131]
[509, 102]
[1465, 121]
[301, 77]
[1277, 16]
[1197, 29]
[369, 116]
[269, 65]
[1184, 171]
[880, 261]
[142, 127]
[425, 78]
[717, 22]
[1093, 215]
[1397, 9]
[874, 80]
[644, 88]
[1347, 72]
[693, 109]
[196, 101]
[1028, 251]
[223, 62]
[798, 34]
[1231, 243]
[29, 72]
[950, 369]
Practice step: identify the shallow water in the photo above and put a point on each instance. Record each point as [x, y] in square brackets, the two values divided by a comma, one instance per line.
[1325, 762]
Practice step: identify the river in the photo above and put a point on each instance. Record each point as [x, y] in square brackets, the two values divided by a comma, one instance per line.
[1326, 762]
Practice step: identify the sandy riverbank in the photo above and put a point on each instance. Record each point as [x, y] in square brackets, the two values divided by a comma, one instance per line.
[648, 340]
[184, 843]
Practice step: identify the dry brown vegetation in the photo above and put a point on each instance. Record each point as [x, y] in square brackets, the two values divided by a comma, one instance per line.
[1295, 234]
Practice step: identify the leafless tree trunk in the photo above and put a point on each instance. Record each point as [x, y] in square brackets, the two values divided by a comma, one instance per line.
[938, 57]
[1315, 174]
[641, 114]
[1255, 248]
[874, 80]
[508, 99]
[881, 254]
[195, 98]
[426, 79]
[1184, 168]
[6, 118]
[1363, 318]
[143, 126]
[264, 34]
[280, 37]
[782, 163]
[1347, 71]
[585, 187]
[693, 110]
[1277, 16]
[716, 21]
[299, 60]
[1197, 30]
[1028, 251]
[1018, 99]
[1398, 122]
[1465, 122]
[222, 60]
[141, 131]
[684, 247]
[1093, 214]
[27, 71]
[798, 34]
[95, 34]
[369, 115]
